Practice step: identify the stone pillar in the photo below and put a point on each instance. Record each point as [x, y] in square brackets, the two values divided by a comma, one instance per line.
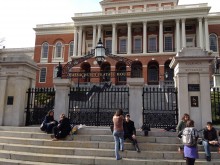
[84, 43]
[183, 33]
[99, 32]
[18, 72]
[80, 42]
[207, 35]
[129, 39]
[144, 37]
[177, 35]
[75, 43]
[94, 37]
[191, 72]
[135, 100]
[200, 33]
[113, 37]
[161, 36]
[62, 87]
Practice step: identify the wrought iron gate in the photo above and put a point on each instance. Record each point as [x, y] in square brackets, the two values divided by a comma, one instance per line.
[96, 108]
[160, 108]
[215, 105]
[39, 102]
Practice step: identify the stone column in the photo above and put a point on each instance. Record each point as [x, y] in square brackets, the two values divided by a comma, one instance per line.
[80, 42]
[129, 39]
[207, 35]
[200, 33]
[191, 72]
[84, 43]
[183, 33]
[18, 72]
[61, 97]
[99, 32]
[135, 100]
[113, 37]
[144, 37]
[161, 36]
[177, 35]
[94, 37]
[75, 43]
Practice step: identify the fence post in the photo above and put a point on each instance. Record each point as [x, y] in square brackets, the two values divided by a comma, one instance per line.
[135, 100]
[62, 87]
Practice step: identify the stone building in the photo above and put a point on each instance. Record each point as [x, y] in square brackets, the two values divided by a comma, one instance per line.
[148, 32]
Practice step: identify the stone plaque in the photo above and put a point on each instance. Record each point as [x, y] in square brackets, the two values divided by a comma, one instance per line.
[193, 87]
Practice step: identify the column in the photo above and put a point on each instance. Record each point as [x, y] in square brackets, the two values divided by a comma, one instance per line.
[183, 33]
[161, 36]
[80, 42]
[94, 37]
[75, 43]
[113, 37]
[84, 43]
[3, 87]
[177, 35]
[200, 33]
[129, 39]
[206, 35]
[144, 37]
[99, 32]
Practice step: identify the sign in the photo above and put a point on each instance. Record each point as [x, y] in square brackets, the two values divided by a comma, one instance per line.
[99, 74]
[194, 101]
[194, 87]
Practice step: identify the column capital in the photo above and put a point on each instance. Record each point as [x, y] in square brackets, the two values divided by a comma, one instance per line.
[75, 28]
[160, 21]
[177, 20]
[200, 19]
[114, 25]
[205, 18]
[129, 23]
[183, 20]
[144, 22]
[94, 26]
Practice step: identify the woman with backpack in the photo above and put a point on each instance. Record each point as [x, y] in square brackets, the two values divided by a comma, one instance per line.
[189, 138]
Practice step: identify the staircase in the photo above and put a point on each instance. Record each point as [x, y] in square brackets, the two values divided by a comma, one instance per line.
[91, 146]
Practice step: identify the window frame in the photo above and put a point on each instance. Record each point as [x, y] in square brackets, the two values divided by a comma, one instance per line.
[141, 44]
[71, 46]
[216, 41]
[108, 39]
[156, 46]
[44, 59]
[168, 35]
[40, 75]
[120, 46]
[61, 58]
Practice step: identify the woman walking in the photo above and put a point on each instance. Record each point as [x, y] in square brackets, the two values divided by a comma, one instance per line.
[118, 132]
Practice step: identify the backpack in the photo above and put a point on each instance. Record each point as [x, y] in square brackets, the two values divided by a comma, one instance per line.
[189, 137]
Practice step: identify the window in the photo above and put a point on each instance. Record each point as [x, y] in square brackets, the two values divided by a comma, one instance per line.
[153, 73]
[189, 28]
[137, 45]
[152, 43]
[71, 47]
[168, 43]
[58, 50]
[43, 73]
[123, 45]
[108, 45]
[44, 50]
[213, 40]
[108, 33]
[190, 41]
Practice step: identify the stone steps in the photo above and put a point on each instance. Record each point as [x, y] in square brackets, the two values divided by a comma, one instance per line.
[28, 145]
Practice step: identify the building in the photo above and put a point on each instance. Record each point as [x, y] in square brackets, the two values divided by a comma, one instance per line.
[148, 32]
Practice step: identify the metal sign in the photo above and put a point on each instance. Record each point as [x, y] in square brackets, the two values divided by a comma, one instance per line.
[99, 74]
[193, 87]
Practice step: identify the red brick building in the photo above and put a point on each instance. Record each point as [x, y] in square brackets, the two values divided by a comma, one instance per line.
[147, 32]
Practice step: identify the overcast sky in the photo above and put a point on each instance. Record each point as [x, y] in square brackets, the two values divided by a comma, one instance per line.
[19, 17]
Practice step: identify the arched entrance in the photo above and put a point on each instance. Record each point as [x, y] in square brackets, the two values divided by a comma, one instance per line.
[153, 73]
[106, 72]
[120, 76]
[136, 69]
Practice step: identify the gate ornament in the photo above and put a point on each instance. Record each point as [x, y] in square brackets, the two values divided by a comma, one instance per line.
[85, 96]
[99, 53]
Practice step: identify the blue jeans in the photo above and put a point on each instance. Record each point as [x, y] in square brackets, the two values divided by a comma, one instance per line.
[207, 148]
[119, 138]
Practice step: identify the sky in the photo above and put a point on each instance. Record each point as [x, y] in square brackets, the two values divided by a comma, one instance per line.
[19, 17]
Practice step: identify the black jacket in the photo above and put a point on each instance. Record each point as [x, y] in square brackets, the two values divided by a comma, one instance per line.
[210, 135]
[129, 128]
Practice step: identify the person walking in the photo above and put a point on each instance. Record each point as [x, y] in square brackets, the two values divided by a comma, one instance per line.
[130, 131]
[118, 132]
[191, 151]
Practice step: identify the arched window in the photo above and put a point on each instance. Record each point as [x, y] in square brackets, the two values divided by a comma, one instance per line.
[153, 73]
[86, 68]
[58, 50]
[168, 72]
[106, 72]
[121, 73]
[136, 69]
[44, 50]
[71, 47]
[213, 40]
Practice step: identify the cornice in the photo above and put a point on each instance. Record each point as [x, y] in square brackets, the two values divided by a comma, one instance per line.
[213, 18]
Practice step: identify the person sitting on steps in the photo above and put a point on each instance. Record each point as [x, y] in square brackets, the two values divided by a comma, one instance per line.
[130, 131]
[209, 138]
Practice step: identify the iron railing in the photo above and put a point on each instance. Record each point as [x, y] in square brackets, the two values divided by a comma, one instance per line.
[215, 105]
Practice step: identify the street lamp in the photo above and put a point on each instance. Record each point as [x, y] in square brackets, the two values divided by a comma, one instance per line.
[100, 52]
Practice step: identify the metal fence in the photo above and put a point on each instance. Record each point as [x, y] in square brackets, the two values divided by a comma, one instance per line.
[160, 108]
[215, 105]
[97, 107]
[39, 102]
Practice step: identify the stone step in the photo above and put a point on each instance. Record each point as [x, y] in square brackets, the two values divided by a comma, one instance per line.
[97, 152]
[91, 160]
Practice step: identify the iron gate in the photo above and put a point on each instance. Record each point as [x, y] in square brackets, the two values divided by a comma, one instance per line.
[96, 107]
[160, 108]
[39, 102]
[215, 105]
